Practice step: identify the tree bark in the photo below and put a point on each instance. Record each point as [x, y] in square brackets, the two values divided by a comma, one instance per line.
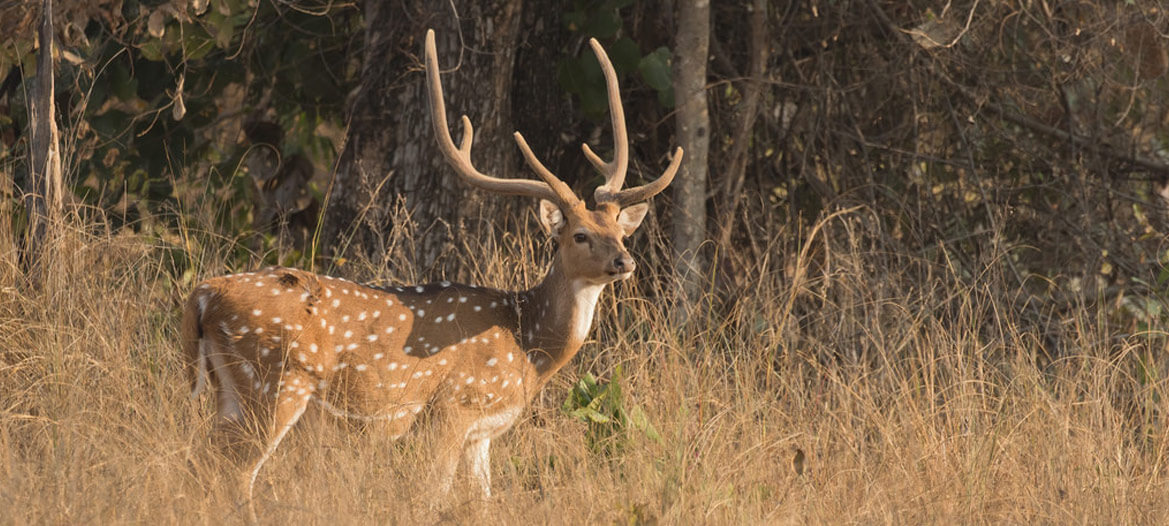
[391, 153]
[541, 109]
[44, 199]
[693, 122]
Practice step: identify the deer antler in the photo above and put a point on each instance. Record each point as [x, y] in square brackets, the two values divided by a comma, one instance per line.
[614, 171]
[551, 188]
[460, 157]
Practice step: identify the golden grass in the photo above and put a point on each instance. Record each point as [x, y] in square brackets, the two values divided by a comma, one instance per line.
[906, 400]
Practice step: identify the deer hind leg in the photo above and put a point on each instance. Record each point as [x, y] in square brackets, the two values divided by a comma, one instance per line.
[292, 396]
[461, 435]
[481, 429]
[448, 442]
[477, 454]
[445, 463]
[231, 428]
[228, 400]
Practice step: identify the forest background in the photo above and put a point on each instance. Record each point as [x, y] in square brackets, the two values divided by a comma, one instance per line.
[920, 248]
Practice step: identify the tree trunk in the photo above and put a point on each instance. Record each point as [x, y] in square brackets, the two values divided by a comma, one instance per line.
[693, 122]
[735, 174]
[540, 108]
[391, 151]
[44, 199]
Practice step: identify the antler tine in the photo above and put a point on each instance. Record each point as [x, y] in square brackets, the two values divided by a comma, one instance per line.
[641, 193]
[460, 158]
[614, 171]
[563, 191]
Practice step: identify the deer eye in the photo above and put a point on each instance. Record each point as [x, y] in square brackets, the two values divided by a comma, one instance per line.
[579, 238]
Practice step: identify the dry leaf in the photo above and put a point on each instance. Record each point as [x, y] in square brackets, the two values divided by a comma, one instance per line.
[156, 24]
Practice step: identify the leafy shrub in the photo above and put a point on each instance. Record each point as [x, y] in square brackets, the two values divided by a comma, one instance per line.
[610, 418]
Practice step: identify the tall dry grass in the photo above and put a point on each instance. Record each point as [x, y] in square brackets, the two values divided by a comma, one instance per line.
[846, 384]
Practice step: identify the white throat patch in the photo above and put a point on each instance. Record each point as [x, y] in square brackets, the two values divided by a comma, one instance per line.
[586, 305]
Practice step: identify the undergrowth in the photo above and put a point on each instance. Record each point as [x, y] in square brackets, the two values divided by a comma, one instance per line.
[845, 384]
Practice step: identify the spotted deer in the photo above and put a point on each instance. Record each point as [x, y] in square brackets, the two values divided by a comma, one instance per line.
[271, 342]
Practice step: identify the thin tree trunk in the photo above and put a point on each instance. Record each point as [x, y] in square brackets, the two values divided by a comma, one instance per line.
[735, 174]
[44, 198]
[693, 121]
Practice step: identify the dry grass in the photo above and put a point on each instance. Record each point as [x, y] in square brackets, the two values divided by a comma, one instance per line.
[909, 400]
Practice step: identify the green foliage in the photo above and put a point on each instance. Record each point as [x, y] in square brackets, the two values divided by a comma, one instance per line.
[581, 75]
[610, 418]
[155, 93]
[655, 69]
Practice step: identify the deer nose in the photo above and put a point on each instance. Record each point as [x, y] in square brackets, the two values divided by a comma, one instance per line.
[623, 263]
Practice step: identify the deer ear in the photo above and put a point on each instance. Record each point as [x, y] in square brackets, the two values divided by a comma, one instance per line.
[630, 218]
[551, 218]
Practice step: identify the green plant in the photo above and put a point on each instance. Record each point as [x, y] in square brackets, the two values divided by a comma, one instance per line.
[581, 75]
[610, 418]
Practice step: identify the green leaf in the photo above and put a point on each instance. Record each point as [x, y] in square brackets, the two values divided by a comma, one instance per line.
[581, 394]
[197, 42]
[625, 55]
[222, 26]
[591, 69]
[98, 91]
[599, 400]
[641, 422]
[655, 69]
[593, 103]
[602, 24]
[152, 50]
[589, 414]
[123, 85]
[666, 98]
[159, 78]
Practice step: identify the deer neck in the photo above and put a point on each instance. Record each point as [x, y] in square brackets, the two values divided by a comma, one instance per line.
[555, 319]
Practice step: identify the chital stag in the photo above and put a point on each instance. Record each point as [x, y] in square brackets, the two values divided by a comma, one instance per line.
[470, 357]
